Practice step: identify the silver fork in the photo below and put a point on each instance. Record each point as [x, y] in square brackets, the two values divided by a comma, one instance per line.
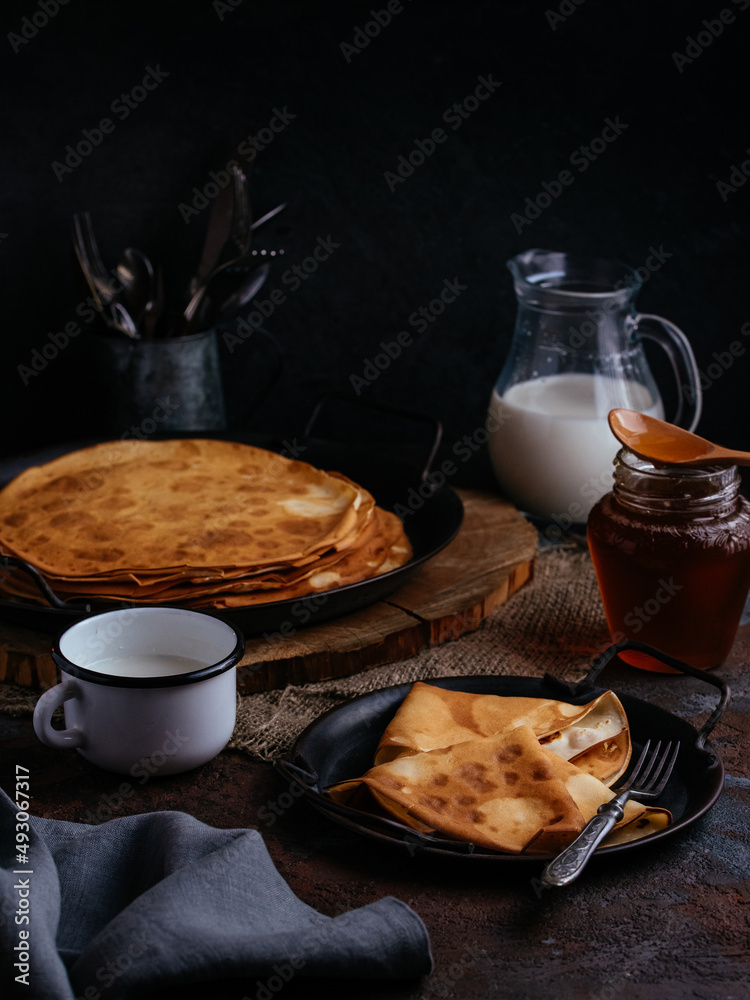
[647, 781]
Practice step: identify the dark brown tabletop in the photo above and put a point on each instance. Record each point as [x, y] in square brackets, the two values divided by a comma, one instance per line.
[665, 922]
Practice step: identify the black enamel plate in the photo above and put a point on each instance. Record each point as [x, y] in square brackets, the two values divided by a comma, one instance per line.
[341, 744]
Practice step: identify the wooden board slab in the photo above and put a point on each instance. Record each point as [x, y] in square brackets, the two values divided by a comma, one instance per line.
[492, 556]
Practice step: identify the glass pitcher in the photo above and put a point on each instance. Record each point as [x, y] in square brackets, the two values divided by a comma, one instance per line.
[576, 354]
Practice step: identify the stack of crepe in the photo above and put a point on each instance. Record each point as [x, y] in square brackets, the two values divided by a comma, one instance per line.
[200, 523]
[517, 775]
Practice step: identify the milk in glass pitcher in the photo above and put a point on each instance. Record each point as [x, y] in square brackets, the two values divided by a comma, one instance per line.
[576, 354]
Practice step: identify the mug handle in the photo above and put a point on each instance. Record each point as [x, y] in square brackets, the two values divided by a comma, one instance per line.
[682, 359]
[62, 739]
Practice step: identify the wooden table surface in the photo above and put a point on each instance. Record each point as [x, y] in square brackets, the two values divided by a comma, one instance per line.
[667, 922]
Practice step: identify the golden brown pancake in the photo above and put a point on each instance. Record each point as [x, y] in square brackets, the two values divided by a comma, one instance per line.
[595, 736]
[200, 522]
[155, 505]
[505, 792]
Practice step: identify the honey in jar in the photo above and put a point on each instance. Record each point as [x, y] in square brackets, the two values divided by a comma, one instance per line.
[671, 550]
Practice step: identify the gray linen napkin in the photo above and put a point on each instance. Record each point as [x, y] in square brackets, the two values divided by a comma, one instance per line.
[161, 899]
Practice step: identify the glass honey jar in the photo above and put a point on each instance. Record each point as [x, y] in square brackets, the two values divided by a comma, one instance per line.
[671, 550]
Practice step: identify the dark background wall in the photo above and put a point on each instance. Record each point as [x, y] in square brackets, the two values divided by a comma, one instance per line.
[350, 116]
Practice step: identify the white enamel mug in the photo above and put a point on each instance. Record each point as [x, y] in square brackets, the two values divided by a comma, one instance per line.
[146, 690]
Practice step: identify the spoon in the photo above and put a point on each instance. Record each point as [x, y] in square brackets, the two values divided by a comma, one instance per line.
[247, 290]
[136, 275]
[189, 315]
[195, 301]
[658, 441]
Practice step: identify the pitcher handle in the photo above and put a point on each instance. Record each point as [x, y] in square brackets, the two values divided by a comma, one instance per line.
[684, 366]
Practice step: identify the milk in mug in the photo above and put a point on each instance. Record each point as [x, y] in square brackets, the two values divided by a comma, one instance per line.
[550, 444]
[147, 665]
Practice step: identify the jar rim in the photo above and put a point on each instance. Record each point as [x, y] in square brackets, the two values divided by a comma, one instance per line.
[627, 458]
[641, 485]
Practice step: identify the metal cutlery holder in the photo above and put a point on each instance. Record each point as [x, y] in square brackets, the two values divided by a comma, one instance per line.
[162, 385]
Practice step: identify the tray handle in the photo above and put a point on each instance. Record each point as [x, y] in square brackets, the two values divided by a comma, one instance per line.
[614, 650]
[414, 840]
[302, 773]
[45, 589]
[380, 407]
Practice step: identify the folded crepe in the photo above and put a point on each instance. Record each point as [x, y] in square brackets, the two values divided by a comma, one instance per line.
[506, 792]
[595, 736]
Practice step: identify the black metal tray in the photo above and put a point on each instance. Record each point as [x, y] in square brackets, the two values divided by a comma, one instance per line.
[341, 744]
[392, 481]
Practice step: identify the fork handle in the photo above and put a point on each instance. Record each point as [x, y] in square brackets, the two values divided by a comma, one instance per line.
[569, 864]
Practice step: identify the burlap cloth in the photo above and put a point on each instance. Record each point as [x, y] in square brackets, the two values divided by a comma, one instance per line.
[554, 623]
